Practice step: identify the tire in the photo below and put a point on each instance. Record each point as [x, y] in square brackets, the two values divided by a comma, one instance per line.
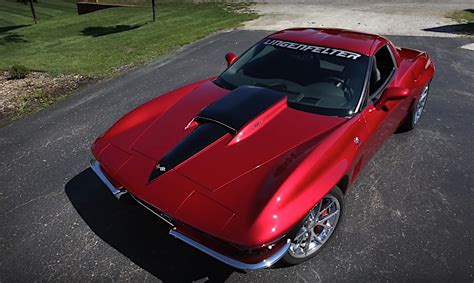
[320, 232]
[413, 117]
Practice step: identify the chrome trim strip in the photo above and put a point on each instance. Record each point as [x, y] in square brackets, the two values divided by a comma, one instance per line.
[229, 261]
[215, 121]
[95, 166]
[142, 203]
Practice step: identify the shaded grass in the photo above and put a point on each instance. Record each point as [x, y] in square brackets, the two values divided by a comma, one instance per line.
[97, 44]
[462, 15]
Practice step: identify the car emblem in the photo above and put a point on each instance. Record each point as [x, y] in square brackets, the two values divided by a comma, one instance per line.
[159, 167]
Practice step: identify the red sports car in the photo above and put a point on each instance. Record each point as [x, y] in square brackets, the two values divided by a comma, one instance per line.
[251, 167]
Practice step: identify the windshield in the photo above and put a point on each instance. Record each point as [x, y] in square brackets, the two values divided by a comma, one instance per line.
[315, 79]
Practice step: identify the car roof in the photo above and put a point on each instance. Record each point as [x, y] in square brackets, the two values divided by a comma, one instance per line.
[362, 43]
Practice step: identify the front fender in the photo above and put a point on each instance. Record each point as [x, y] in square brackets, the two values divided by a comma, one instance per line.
[132, 124]
[313, 178]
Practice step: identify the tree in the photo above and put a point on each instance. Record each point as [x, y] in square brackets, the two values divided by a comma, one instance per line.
[32, 8]
[153, 8]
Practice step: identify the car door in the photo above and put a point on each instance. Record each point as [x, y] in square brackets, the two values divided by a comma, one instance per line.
[381, 121]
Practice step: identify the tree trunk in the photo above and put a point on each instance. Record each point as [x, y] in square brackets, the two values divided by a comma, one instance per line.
[153, 8]
[33, 11]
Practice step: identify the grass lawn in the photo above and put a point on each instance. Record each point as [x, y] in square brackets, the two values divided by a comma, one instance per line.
[14, 14]
[463, 15]
[97, 44]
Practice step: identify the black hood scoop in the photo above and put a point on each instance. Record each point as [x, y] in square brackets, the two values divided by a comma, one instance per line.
[239, 107]
[227, 115]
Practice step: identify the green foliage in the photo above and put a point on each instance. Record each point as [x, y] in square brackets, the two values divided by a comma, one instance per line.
[14, 14]
[33, 102]
[18, 72]
[463, 16]
[99, 43]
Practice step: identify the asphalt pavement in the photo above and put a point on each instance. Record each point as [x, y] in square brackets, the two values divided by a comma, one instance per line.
[409, 216]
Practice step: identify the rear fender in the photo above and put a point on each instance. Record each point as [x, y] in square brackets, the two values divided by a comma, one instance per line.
[422, 70]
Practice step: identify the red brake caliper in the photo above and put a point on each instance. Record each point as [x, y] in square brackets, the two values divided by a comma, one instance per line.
[318, 228]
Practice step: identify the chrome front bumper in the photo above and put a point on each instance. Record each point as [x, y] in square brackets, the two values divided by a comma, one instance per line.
[230, 261]
[118, 192]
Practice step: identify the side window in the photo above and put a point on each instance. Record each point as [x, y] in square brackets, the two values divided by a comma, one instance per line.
[382, 69]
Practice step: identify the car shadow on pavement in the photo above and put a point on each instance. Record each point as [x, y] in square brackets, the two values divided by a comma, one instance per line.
[139, 235]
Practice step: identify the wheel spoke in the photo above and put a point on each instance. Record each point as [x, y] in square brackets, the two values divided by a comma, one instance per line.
[316, 214]
[318, 227]
[329, 227]
[421, 104]
[312, 216]
[321, 221]
[424, 94]
[306, 248]
[308, 242]
[301, 233]
[299, 241]
[327, 207]
[315, 238]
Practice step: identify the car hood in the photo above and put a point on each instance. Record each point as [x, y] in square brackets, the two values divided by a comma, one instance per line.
[215, 156]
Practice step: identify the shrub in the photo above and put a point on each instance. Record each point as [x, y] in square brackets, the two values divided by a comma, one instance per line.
[18, 72]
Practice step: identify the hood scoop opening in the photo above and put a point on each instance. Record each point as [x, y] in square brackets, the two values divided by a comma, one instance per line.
[240, 106]
[227, 115]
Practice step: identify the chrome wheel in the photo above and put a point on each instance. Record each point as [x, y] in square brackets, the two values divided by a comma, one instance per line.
[421, 105]
[317, 228]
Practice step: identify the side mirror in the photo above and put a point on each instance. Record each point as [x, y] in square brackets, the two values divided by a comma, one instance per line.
[392, 93]
[230, 58]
